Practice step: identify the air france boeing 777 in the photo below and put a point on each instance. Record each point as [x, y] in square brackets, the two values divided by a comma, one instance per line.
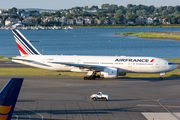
[108, 66]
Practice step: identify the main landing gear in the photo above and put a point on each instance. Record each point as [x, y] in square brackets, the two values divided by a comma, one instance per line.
[92, 77]
[161, 74]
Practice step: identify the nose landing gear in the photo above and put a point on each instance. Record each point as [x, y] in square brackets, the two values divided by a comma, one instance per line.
[161, 74]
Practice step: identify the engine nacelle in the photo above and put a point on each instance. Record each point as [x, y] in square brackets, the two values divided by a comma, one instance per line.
[110, 72]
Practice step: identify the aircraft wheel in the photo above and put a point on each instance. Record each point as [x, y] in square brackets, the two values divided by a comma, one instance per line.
[85, 78]
[89, 78]
[98, 76]
[160, 78]
[93, 78]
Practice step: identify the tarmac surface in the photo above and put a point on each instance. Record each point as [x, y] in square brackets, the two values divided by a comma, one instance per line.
[68, 98]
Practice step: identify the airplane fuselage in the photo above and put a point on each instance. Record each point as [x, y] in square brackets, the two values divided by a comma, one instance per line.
[123, 63]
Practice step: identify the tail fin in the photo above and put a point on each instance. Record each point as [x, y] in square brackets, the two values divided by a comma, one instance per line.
[8, 97]
[25, 47]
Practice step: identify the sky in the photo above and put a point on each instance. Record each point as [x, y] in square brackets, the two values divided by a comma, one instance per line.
[66, 4]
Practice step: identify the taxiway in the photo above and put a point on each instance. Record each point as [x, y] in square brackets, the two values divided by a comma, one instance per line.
[68, 98]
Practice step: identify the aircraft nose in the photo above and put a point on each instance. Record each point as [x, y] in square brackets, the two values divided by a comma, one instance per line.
[173, 67]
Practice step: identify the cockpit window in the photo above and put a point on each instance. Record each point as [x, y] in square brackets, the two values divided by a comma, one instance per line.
[170, 64]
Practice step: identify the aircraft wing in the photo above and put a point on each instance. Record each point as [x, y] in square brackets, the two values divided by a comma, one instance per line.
[94, 67]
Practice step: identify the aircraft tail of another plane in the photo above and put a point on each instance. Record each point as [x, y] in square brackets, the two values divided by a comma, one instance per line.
[25, 47]
[8, 97]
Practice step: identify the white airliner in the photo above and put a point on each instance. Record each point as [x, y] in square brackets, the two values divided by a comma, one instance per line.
[108, 66]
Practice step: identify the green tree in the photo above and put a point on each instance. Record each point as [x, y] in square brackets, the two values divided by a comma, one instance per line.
[14, 16]
[111, 15]
[173, 20]
[57, 14]
[151, 9]
[177, 8]
[20, 18]
[170, 9]
[104, 6]
[12, 11]
[39, 19]
[129, 6]
[69, 16]
[32, 21]
[45, 14]
[165, 12]
[102, 19]
[86, 8]
[119, 18]
[133, 17]
[94, 7]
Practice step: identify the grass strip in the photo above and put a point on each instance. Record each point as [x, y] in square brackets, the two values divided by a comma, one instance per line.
[151, 35]
[10, 71]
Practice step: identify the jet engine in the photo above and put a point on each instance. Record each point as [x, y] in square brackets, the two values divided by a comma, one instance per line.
[110, 72]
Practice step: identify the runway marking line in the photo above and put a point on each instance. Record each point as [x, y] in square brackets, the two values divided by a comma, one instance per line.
[146, 105]
[166, 108]
[31, 111]
[16, 116]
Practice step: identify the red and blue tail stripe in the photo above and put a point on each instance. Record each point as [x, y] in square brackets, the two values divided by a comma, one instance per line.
[25, 47]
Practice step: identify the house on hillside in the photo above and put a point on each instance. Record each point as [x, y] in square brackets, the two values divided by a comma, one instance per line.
[92, 12]
[88, 20]
[62, 20]
[97, 21]
[161, 20]
[150, 20]
[4, 12]
[130, 22]
[113, 21]
[79, 21]
[11, 21]
[28, 19]
[25, 14]
[56, 19]
[70, 21]
[106, 21]
[140, 20]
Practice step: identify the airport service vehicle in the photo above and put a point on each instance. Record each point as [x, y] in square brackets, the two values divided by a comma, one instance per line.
[108, 66]
[100, 95]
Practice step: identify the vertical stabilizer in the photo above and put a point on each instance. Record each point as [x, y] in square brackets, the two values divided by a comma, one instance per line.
[25, 47]
[8, 97]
